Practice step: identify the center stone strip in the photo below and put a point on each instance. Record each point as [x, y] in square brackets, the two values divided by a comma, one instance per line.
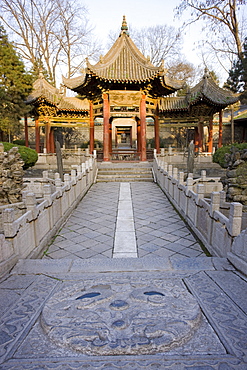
[125, 236]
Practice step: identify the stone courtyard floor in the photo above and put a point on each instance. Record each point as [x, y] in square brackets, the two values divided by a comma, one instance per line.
[124, 285]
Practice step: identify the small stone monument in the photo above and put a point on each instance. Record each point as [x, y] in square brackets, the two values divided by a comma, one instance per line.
[59, 160]
[191, 157]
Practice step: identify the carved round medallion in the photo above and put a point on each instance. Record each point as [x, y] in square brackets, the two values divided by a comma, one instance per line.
[121, 318]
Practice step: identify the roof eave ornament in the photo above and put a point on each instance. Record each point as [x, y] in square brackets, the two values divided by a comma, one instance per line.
[124, 28]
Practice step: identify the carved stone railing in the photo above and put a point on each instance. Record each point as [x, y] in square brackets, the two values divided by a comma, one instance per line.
[28, 235]
[216, 223]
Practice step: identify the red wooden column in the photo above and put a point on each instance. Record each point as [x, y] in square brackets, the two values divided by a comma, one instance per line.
[138, 134]
[47, 136]
[143, 127]
[106, 118]
[196, 139]
[26, 131]
[157, 130]
[37, 136]
[210, 135]
[200, 134]
[110, 136]
[91, 128]
[220, 129]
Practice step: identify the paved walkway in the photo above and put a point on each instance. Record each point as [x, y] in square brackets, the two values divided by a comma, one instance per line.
[87, 305]
[124, 220]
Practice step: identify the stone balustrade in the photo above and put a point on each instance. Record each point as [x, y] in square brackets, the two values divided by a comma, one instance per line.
[216, 223]
[28, 235]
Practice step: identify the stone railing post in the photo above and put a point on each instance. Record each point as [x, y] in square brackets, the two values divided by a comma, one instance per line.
[73, 176]
[203, 175]
[47, 193]
[189, 185]
[45, 175]
[235, 218]
[162, 152]
[8, 223]
[175, 173]
[170, 170]
[67, 179]
[58, 184]
[215, 202]
[83, 168]
[30, 201]
[181, 178]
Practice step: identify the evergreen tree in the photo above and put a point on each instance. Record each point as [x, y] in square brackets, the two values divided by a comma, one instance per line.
[15, 86]
[237, 80]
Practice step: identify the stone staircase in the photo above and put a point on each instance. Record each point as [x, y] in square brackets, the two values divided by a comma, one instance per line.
[121, 172]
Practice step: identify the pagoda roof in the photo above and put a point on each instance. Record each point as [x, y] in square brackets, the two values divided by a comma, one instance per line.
[44, 91]
[124, 65]
[205, 94]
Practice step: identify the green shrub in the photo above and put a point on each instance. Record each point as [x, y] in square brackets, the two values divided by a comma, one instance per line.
[19, 142]
[28, 155]
[219, 155]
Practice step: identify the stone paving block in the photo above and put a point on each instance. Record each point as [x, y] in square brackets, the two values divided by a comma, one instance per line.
[23, 314]
[174, 247]
[225, 316]
[233, 285]
[163, 252]
[101, 247]
[8, 297]
[125, 241]
[59, 254]
[44, 266]
[190, 252]
[149, 247]
[199, 263]
[86, 253]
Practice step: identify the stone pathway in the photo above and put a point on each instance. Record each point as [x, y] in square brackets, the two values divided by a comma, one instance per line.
[124, 220]
[80, 307]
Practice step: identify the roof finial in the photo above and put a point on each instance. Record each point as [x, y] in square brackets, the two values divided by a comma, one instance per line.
[124, 28]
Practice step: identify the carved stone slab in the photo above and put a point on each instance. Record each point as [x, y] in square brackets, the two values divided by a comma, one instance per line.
[224, 315]
[114, 319]
[128, 362]
[23, 314]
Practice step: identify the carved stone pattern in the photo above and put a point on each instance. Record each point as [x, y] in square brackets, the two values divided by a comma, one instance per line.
[227, 319]
[121, 318]
[16, 320]
[225, 363]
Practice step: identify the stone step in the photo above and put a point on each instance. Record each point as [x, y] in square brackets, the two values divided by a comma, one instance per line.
[124, 171]
[124, 179]
[124, 174]
[56, 267]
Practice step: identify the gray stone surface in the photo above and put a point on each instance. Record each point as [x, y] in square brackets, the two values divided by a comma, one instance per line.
[194, 319]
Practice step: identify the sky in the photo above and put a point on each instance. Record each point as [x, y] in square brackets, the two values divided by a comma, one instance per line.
[107, 15]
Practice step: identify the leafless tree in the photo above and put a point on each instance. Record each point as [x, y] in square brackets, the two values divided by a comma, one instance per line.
[159, 42]
[51, 33]
[182, 70]
[223, 21]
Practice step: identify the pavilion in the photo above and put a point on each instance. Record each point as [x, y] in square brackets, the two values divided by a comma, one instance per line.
[125, 90]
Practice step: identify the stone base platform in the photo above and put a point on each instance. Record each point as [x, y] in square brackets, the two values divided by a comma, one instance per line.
[149, 313]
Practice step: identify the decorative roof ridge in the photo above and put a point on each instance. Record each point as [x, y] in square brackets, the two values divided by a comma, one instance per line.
[73, 103]
[75, 81]
[124, 28]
